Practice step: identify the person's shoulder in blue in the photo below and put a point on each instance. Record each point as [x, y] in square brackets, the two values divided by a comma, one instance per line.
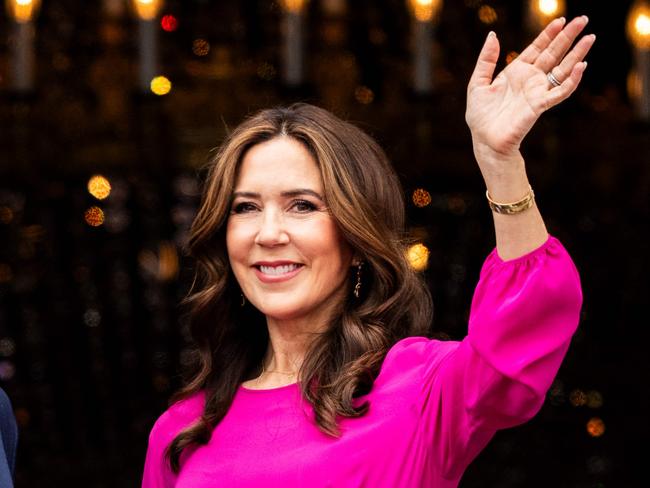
[8, 441]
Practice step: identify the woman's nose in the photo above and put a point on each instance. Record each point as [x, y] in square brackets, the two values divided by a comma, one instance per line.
[271, 231]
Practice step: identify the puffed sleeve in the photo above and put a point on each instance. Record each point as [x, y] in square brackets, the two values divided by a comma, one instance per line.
[523, 315]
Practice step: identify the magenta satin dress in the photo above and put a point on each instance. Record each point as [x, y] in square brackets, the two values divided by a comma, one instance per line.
[434, 405]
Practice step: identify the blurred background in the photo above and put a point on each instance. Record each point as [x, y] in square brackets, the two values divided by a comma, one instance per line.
[110, 109]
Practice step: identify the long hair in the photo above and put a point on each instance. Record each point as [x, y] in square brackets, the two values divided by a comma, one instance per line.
[365, 200]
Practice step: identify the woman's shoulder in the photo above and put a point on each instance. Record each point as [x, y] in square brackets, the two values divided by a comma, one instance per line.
[417, 351]
[178, 416]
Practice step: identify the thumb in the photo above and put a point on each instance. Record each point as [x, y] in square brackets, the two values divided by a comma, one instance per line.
[486, 63]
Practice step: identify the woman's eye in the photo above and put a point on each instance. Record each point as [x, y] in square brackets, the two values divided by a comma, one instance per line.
[243, 207]
[303, 206]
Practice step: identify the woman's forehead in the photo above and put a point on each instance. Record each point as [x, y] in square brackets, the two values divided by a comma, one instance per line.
[277, 165]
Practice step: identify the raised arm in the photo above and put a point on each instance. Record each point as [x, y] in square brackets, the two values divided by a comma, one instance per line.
[501, 111]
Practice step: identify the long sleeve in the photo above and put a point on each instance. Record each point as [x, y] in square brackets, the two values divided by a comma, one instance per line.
[157, 473]
[523, 315]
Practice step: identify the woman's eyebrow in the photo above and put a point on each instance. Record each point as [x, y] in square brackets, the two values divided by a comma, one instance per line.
[301, 191]
[288, 193]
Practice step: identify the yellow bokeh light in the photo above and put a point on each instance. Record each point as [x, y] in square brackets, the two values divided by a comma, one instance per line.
[541, 12]
[94, 216]
[161, 85]
[147, 9]
[638, 25]
[421, 197]
[642, 25]
[295, 6]
[596, 427]
[23, 10]
[487, 14]
[418, 257]
[99, 187]
[548, 7]
[425, 10]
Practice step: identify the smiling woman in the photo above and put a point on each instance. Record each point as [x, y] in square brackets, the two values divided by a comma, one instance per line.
[284, 247]
[313, 367]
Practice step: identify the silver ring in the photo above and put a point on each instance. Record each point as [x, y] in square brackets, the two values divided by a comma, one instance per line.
[552, 79]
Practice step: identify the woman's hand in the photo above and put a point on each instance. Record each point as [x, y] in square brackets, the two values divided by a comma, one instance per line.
[501, 111]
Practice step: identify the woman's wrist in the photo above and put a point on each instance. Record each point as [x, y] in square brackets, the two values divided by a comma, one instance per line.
[505, 176]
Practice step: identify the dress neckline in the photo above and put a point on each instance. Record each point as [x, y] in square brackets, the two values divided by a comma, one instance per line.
[267, 390]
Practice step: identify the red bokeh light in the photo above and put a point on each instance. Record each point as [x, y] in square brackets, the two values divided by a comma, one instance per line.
[169, 23]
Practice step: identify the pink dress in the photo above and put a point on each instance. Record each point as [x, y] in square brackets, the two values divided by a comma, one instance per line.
[433, 407]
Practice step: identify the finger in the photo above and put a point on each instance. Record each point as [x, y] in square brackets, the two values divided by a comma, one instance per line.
[542, 41]
[486, 63]
[577, 54]
[562, 92]
[553, 54]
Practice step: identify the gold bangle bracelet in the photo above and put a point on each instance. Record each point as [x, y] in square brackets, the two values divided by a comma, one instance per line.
[514, 207]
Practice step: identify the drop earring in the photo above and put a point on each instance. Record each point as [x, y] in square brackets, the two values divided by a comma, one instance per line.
[243, 300]
[357, 287]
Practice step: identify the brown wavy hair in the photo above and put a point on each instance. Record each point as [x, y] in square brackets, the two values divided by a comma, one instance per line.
[365, 199]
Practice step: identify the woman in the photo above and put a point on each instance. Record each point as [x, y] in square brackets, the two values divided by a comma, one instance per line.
[310, 368]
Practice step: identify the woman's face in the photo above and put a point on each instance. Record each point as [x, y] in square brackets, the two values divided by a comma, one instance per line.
[283, 245]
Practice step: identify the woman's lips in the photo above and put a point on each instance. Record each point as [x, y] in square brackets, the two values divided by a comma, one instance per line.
[276, 274]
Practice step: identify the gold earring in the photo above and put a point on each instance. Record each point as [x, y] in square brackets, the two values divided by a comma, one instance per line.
[243, 300]
[357, 287]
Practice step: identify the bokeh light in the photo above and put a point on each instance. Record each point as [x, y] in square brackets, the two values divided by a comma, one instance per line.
[147, 9]
[295, 6]
[421, 197]
[638, 25]
[94, 216]
[594, 399]
[169, 23]
[23, 10]
[425, 10]
[596, 427]
[161, 85]
[99, 187]
[418, 257]
[364, 95]
[511, 56]
[7, 347]
[200, 47]
[7, 370]
[578, 398]
[92, 317]
[487, 14]
[162, 266]
[541, 12]
[266, 71]
[548, 7]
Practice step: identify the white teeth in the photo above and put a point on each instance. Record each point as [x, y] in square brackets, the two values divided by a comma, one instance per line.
[278, 270]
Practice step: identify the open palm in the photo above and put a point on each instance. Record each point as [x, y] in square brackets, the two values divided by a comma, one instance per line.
[501, 111]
